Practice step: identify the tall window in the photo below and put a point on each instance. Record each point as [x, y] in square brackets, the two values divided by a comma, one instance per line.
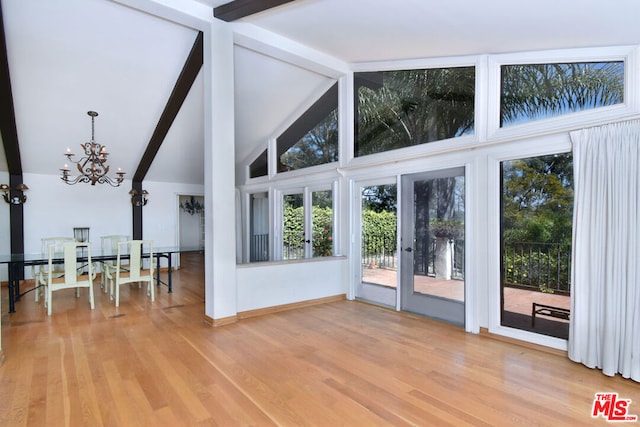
[313, 138]
[537, 91]
[397, 109]
[293, 229]
[307, 224]
[537, 209]
[259, 227]
[322, 223]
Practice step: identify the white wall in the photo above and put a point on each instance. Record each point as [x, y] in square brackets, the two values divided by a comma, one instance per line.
[264, 285]
[161, 214]
[160, 221]
[54, 208]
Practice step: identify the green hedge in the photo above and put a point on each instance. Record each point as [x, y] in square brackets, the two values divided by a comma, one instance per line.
[378, 232]
[322, 219]
[378, 228]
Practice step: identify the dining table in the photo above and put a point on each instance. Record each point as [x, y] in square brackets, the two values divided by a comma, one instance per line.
[16, 263]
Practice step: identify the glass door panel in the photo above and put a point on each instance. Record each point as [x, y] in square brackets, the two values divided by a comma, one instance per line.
[378, 248]
[433, 243]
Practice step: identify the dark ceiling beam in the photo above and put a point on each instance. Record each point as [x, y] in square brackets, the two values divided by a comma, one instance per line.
[179, 93]
[9, 134]
[7, 113]
[240, 8]
[176, 99]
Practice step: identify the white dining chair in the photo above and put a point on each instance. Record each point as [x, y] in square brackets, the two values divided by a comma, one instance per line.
[133, 271]
[109, 246]
[72, 276]
[39, 272]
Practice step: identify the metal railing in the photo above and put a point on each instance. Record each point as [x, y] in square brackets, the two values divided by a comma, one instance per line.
[424, 258]
[379, 251]
[259, 248]
[544, 267]
[293, 248]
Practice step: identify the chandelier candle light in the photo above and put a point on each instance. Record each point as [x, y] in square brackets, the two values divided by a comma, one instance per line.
[92, 166]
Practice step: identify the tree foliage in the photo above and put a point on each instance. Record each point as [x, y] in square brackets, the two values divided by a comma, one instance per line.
[316, 147]
[322, 229]
[414, 107]
[380, 198]
[533, 91]
[537, 199]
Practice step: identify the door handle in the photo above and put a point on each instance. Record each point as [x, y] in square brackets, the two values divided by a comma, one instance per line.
[409, 249]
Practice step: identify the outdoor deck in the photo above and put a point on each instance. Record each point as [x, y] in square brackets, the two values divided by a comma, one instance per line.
[517, 302]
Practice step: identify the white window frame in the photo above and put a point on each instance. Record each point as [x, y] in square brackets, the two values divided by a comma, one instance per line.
[629, 55]
[538, 146]
[307, 202]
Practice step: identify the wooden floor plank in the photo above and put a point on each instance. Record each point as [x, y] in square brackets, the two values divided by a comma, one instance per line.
[341, 363]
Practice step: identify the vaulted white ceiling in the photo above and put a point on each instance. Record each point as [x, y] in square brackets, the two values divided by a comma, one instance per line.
[67, 57]
[70, 56]
[374, 30]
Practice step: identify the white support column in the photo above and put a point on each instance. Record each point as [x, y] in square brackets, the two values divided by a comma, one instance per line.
[220, 241]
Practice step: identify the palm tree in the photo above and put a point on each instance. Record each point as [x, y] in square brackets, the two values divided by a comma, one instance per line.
[413, 107]
[535, 91]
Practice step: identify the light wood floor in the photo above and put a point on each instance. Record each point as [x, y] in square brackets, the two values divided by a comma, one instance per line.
[343, 363]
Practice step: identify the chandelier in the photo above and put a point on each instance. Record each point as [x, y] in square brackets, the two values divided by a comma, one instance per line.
[92, 166]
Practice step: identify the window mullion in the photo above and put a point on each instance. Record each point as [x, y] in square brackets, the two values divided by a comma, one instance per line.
[308, 223]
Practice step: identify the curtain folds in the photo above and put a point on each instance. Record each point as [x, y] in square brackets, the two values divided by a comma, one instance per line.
[605, 285]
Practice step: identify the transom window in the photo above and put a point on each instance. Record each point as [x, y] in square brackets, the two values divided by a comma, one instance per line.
[397, 109]
[259, 166]
[313, 138]
[538, 91]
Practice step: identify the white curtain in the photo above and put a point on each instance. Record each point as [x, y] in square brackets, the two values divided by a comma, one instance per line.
[605, 285]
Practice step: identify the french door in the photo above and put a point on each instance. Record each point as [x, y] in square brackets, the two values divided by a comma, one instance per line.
[433, 244]
[378, 244]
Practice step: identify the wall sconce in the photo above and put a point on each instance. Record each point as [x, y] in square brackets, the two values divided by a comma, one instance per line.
[14, 196]
[138, 198]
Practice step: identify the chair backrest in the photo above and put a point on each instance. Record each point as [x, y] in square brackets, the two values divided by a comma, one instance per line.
[57, 242]
[109, 244]
[135, 249]
[70, 254]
